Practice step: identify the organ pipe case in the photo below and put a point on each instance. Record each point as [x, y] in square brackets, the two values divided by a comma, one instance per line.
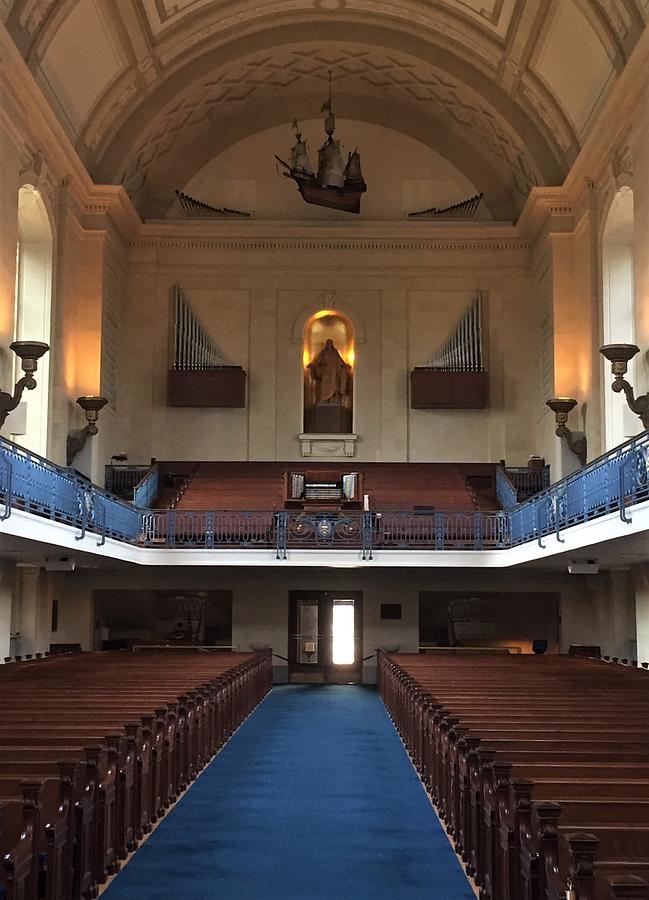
[440, 389]
[218, 387]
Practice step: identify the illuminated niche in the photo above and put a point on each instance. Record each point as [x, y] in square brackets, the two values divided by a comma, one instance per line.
[328, 359]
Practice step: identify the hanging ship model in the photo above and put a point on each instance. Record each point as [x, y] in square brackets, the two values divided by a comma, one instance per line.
[336, 184]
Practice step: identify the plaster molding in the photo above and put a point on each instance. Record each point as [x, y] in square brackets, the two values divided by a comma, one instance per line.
[546, 207]
[307, 241]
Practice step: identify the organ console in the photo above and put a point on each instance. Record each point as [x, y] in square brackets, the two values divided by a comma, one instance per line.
[322, 489]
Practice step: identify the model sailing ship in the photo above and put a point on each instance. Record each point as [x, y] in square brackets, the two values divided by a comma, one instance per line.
[337, 185]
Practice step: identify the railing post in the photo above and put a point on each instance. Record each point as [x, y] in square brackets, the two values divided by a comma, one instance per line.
[557, 524]
[621, 495]
[171, 528]
[102, 540]
[83, 511]
[366, 534]
[281, 534]
[537, 523]
[8, 492]
[477, 531]
[439, 530]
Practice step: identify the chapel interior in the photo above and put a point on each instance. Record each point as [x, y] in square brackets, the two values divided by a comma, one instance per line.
[324, 465]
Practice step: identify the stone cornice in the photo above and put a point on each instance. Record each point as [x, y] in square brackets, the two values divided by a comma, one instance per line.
[370, 236]
[112, 201]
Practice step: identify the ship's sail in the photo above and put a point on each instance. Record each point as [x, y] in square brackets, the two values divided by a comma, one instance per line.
[300, 161]
[353, 173]
[330, 164]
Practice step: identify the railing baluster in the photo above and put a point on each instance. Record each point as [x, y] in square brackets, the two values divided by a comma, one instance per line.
[367, 534]
[281, 536]
[9, 491]
[622, 497]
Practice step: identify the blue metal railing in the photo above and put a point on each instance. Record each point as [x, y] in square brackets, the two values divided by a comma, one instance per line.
[615, 482]
[34, 484]
[146, 491]
[505, 490]
[122, 479]
[528, 481]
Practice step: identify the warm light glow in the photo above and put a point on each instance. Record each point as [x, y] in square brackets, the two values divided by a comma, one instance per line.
[343, 633]
[328, 324]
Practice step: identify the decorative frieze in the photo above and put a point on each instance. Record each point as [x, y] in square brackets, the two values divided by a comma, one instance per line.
[328, 445]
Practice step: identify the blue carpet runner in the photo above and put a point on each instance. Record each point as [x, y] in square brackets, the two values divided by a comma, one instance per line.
[314, 798]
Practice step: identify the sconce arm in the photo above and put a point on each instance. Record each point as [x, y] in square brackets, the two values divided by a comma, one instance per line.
[638, 405]
[8, 402]
[576, 441]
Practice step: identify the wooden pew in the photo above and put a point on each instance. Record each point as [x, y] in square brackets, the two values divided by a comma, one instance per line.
[103, 743]
[482, 732]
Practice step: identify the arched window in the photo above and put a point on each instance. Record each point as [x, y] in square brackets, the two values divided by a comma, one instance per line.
[328, 358]
[618, 308]
[28, 423]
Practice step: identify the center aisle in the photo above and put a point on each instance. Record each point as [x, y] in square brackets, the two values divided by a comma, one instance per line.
[314, 797]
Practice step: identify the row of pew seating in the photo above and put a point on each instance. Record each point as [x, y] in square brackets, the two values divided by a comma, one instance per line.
[94, 748]
[538, 766]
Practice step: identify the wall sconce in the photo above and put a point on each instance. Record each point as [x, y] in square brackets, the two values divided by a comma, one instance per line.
[619, 355]
[576, 440]
[29, 352]
[77, 439]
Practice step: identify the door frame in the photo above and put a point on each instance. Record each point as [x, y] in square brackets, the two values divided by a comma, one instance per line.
[325, 671]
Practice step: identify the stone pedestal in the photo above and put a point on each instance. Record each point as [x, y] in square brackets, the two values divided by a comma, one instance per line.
[331, 445]
[329, 418]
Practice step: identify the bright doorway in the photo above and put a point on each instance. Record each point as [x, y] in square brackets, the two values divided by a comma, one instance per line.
[325, 636]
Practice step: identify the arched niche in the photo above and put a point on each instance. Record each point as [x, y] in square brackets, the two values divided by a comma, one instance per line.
[618, 308]
[33, 310]
[328, 363]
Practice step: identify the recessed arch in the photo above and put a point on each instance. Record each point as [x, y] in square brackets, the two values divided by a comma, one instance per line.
[33, 310]
[132, 142]
[328, 361]
[327, 300]
[618, 308]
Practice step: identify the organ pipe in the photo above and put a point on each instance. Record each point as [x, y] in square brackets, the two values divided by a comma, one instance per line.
[192, 347]
[462, 351]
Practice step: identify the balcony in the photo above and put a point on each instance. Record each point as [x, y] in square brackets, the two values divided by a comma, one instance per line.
[79, 514]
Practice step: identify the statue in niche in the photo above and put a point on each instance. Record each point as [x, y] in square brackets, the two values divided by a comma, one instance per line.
[331, 374]
[331, 379]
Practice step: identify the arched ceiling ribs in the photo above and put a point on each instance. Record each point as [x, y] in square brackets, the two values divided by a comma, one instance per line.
[274, 87]
[114, 72]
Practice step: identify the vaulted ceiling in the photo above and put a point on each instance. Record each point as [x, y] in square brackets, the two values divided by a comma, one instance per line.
[150, 90]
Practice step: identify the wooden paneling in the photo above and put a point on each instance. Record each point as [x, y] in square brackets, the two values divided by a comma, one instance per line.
[224, 387]
[437, 389]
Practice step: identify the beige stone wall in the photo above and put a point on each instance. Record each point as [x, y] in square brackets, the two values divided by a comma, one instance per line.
[253, 289]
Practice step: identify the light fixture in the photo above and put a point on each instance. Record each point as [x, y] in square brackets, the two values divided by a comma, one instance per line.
[619, 355]
[576, 440]
[29, 352]
[77, 439]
